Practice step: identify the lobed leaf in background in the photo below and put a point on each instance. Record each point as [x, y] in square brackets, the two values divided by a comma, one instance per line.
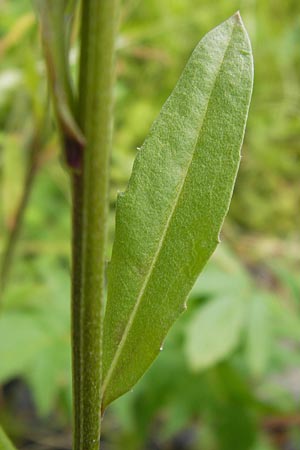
[169, 219]
[259, 324]
[259, 334]
[215, 331]
[38, 350]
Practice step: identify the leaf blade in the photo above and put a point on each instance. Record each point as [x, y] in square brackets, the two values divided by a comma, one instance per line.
[28, 336]
[5, 442]
[168, 197]
[214, 331]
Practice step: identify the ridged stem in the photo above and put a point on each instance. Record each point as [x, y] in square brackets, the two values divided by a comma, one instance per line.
[90, 210]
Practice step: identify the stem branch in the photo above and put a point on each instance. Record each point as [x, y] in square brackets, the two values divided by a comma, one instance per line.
[14, 233]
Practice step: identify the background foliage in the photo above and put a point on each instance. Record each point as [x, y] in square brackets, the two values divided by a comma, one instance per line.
[231, 385]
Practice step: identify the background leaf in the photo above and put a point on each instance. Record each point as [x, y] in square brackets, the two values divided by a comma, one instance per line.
[214, 331]
[38, 349]
[5, 443]
[168, 221]
[258, 334]
[22, 345]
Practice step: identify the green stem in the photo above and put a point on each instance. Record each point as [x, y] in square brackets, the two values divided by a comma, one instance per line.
[13, 237]
[90, 210]
[5, 443]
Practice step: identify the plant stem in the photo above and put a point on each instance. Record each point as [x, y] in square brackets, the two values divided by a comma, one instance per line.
[90, 209]
[5, 443]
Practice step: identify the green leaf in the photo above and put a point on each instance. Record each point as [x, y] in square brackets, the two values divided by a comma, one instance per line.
[259, 334]
[168, 221]
[49, 374]
[224, 273]
[35, 335]
[214, 331]
[5, 443]
[19, 348]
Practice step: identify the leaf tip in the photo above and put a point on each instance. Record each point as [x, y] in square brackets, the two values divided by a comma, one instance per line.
[237, 17]
[237, 20]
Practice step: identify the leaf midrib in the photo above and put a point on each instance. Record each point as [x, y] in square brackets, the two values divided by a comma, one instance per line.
[161, 242]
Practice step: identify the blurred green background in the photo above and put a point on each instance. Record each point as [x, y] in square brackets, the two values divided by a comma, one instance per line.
[228, 377]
